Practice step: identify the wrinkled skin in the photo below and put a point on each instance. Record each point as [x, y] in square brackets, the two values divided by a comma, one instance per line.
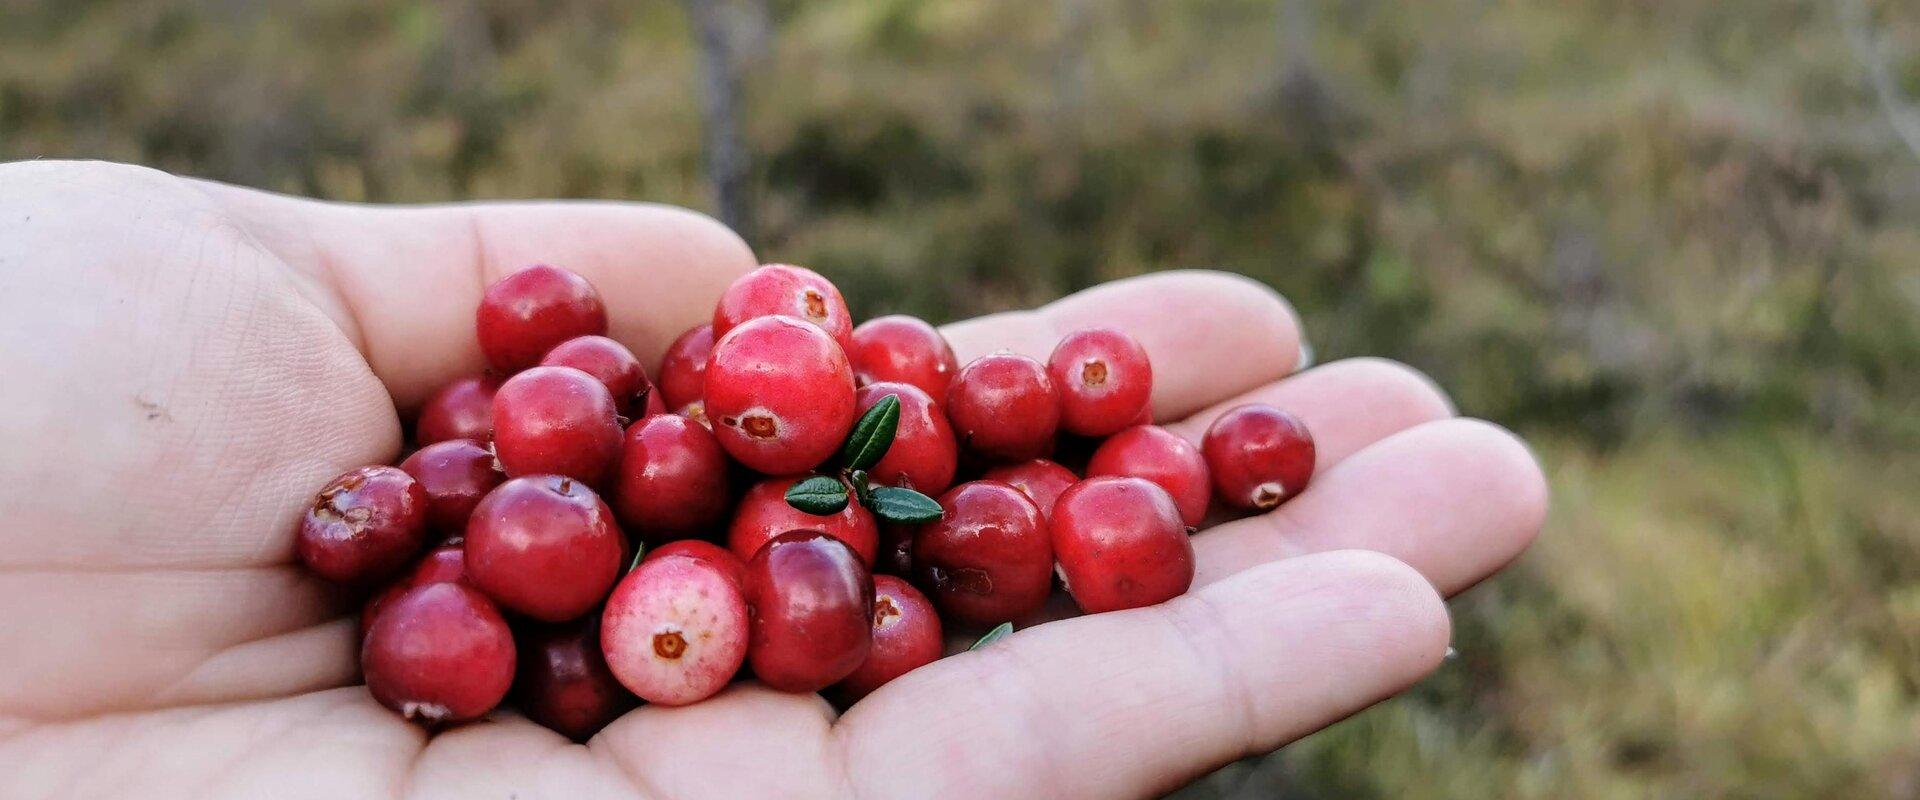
[188, 362]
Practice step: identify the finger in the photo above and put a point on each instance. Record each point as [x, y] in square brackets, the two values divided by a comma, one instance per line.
[1346, 405]
[404, 281]
[1210, 335]
[1137, 702]
[1455, 499]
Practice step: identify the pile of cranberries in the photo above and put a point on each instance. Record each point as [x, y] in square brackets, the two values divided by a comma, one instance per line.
[581, 538]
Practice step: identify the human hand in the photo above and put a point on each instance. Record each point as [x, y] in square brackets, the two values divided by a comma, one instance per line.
[185, 362]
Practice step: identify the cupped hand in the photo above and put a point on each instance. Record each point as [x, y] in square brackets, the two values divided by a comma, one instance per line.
[182, 363]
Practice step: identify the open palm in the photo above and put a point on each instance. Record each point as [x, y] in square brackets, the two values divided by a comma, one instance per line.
[183, 363]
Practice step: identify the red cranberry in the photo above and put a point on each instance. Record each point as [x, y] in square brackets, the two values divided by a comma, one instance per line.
[364, 525]
[780, 395]
[544, 546]
[462, 409]
[1040, 480]
[1161, 456]
[675, 630]
[764, 513]
[655, 406]
[906, 636]
[902, 349]
[1004, 408]
[563, 681]
[439, 654]
[811, 618]
[699, 548]
[683, 371]
[672, 482]
[1259, 455]
[924, 454]
[609, 362]
[986, 560]
[1104, 379]
[455, 474]
[444, 564]
[557, 421]
[525, 314]
[1121, 544]
[784, 290]
[896, 550]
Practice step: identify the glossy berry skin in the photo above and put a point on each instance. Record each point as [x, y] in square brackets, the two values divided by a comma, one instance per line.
[779, 395]
[764, 513]
[1121, 544]
[438, 655]
[672, 480]
[924, 454]
[810, 604]
[1040, 480]
[785, 290]
[1104, 379]
[462, 409]
[444, 564]
[556, 421]
[563, 681]
[1161, 456]
[707, 551]
[683, 370]
[1004, 408]
[609, 362]
[987, 559]
[544, 546]
[906, 636]
[675, 630]
[524, 315]
[455, 474]
[1259, 455]
[902, 349]
[364, 525]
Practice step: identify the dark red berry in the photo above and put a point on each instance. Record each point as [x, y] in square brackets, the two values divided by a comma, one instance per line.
[906, 636]
[1040, 480]
[1004, 408]
[1259, 456]
[672, 481]
[896, 550]
[683, 371]
[902, 349]
[987, 559]
[923, 455]
[699, 548]
[444, 564]
[675, 630]
[811, 612]
[1121, 544]
[544, 546]
[364, 525]
[784, 290]
[563, 681]
[609, 362]
[438, 655]
[555, 421]
[765, 513]
[462, 409]
[525, 314]
[1104, 379]
[779, 394]
[1161, 456]
[455, 474]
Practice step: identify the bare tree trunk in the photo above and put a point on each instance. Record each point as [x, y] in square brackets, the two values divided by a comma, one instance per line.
[731, 34]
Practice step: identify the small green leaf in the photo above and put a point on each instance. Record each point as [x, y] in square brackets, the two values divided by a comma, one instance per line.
[820, 495]
[862, 484]
[639, 553]
[872, 434]
[904, 506]
[999, 632]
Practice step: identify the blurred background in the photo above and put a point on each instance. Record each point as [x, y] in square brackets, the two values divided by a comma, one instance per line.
[1676, 244]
